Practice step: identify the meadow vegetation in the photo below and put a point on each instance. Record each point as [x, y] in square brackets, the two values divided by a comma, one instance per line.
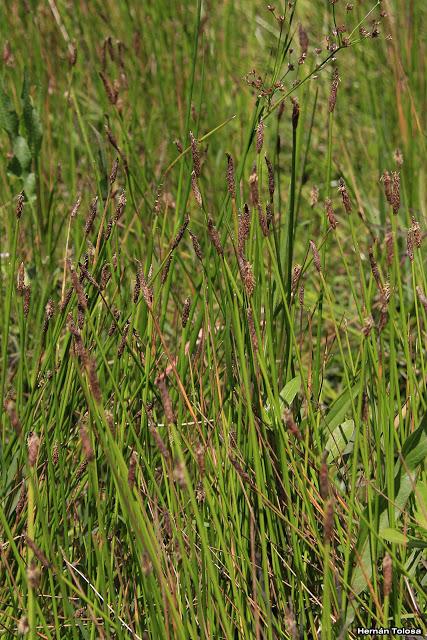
[214, 315]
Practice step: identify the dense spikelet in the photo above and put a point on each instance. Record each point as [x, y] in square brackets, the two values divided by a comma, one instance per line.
[86, 444]
[147, 291]
[301, 295]
[244, 228]
[72, 54]
[260, 136]
[395, 202]
[374, 268]
[314, 196]
[21, 501]
[113, 173]
[389, 245]
[20, 284]
[33, 444]
[291, 425]
[328, 522]
[242, 473]
[387, 181]
[295, 112]
[196, 246]
[195, 189]
[20, 205]
[93, 380]
[344, 195]
[263, 223]
[120, 207]
[110, 88]
[180, 233]
[27, 300]
[166, 268]
[410, 244]
[196, 155]
[334, 90]
[330, 214]
[93, 208]
[247, 275]
[387, 575]
[270, 172]
[49, 311]
[368, 325]
[81, 469]
[76, 207]
[137, 286]
[416, 231]
[55, 454]
[215, 239]
[105, 276]
[166, 400]
[316, 257]
[231, 182]
[296, 274]
[186, 311]
[159, 441]
[132, 470]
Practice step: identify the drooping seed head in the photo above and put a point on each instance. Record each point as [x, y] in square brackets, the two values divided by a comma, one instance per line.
[196, 246]
[333, 223]
[186, 311]
[114, 169]
[195, 189]
[180, 232]
[93, 208]
[215, 239]
[33, 444]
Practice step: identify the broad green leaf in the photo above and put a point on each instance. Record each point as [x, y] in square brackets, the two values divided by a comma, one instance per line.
[9, 120]
[22, 153]
[337, 413]
[393, 535]
[340, 439]
[291, 389]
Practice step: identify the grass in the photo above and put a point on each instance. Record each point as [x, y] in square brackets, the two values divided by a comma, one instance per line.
[213, 417]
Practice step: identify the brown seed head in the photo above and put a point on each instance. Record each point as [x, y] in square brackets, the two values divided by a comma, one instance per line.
[196, 246]
[33, 444]
[195, 188]
[20, 286]
[86, 444]
[77, 286]
[247, 275]
[166, 400]
[316, 257]
[121, 203]
[295, 112]
[27, 300]
[20, 204]
[410, 245]
[344, 195]
[330, 214]
[215, 239]
[374, 268]
[395, 192]
[243, 229]
[93, 208]
[260, 136]
[387, 181]
[132, 470]
[196, 155]
[368, 325]
[389, 247]
[10, 408]
[72, 54]
[422, 297]
[166, 268]
[334, 90]
[416, 230]
[296, 273]
[180, 233]
[110, 88]
[252, 330]
[122, 343]
[314, 196]
[270, 172]
[186, 311]
[114, 169]
[23, 626]
[231, 182]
